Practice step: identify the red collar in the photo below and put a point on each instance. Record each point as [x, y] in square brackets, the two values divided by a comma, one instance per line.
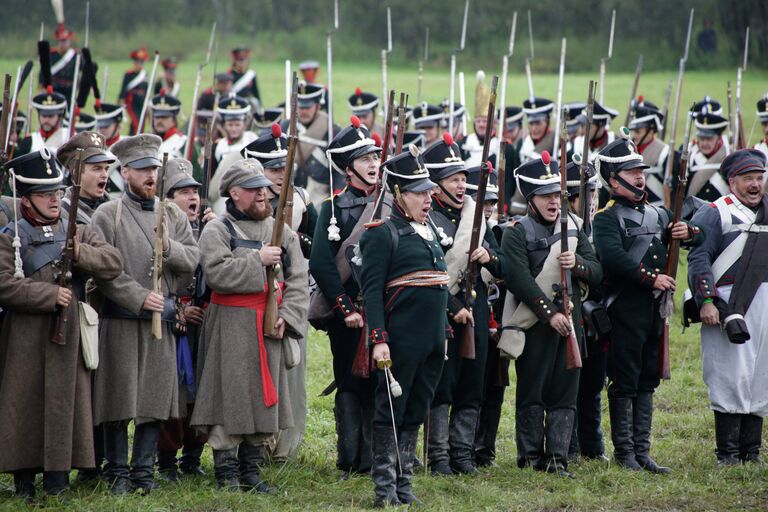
[643, 147]
[114, 139]
[170, 133]
[717, 148]
[599, 142]
[46, 135]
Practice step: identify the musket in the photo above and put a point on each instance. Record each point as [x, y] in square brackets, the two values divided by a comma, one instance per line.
[501, 205]
[453, 67]
[528, 74]
[572, 352]
[287, 111]
[665, 111]
[190, 148]
[604, 60]
[376, 217]
[284, 205]
[148, 95]
[64, 277]
[738, 128]
[633, 94]
[421, 66]
[400, 123]
[104, 80]
[463, 101]
[29, 108]
[3, 127]
[384, 53]
[731, 127]
[585, 197]
[467, 349]
[73, 101]
[207, 162]
[673, 257]
[157, 258]
[329, 57]
[560, 79]
[680, 73]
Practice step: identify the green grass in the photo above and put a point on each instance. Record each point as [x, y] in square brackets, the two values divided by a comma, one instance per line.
[348, 76]
[683, 435]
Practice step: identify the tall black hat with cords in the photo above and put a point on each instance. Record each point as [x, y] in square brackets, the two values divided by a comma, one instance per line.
[645, 115]
[620, 155]
[271, 149]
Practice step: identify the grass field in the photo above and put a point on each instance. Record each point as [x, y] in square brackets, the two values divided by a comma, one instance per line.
[683, 436]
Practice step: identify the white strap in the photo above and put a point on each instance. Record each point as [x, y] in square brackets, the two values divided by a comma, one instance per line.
[729, 256]
[141, 77]
[65, 59]
[243, 81]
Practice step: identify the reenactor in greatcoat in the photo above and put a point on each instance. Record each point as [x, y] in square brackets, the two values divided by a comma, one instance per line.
[540, 136]
[243, 396]
[460, 392]
[646, 123]
[45, 378]
[727, 276]
[134, 88]
[337, 304]
[707, 151]
[631, 239]
[137, 377]
[405, 285]
[545, 402]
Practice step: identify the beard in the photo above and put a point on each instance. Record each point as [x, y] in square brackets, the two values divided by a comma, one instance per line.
[142, 192]
[259, 213]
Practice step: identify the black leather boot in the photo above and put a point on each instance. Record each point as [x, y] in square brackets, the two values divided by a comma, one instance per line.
[439, 459]
[407, 443]
[166, 465]
[365, 455]
[461, 438]
[251, 457]
[727, 428]
[573, 447]
[348, 425]
[384, 469]
[557, 432]
[642, 411]
[487, 430]
[750, 438]
[189, 462]
[145, 438]
[226, 469]
[116, 471]
[620, 410]
[55, 482]
[529, 433]
[24, 484]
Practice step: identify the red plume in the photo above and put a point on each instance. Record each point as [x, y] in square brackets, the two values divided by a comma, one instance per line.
[276, 131]
[358, 92]
[640, 99]
[162, 91]
[97, 104]
[448, 139]
[545, 157]
[49, 89]
[355, 121]
[376, 139]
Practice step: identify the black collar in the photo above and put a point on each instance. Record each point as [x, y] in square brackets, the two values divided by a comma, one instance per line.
[148, 205]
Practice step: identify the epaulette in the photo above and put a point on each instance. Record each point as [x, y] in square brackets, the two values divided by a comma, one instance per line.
[609, 204]
[373, 224]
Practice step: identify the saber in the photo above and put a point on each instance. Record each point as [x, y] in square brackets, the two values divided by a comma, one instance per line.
[392, 390]
[148, 96]
[558, 118]
[453, 67]
[606, 59]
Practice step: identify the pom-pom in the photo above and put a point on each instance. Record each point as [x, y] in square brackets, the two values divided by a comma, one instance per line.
[97, 104]
[162, 91]
[358, 92]
[640, 100]
[490, 166]
[49, 89]
[276, 131]
[77, 110]
[545, 157]
[448, 139]
[414, 150]
[376, 139]
[355, 121]
[576, 158]
[624, 132]
[480, 75]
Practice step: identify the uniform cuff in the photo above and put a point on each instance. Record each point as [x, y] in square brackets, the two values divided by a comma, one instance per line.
[378, 336]
[345, 305]
[705, 287]
[646, 276]
[544, 308]
[580, 270]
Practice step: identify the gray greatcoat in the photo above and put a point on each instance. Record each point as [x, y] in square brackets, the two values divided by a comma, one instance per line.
[230, 388]
[137, 377]
[45, 389]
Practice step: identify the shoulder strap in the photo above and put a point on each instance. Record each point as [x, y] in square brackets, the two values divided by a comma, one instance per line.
[238, 239]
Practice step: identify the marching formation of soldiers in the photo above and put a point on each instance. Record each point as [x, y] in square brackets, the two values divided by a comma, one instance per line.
[143, 278]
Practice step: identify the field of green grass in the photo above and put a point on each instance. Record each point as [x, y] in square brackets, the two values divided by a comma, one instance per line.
[683, 436]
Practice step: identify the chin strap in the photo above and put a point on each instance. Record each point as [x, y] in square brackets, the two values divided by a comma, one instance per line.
[636, 192]
[448, 194]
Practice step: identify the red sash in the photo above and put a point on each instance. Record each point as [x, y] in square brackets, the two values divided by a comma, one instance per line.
[258, 303]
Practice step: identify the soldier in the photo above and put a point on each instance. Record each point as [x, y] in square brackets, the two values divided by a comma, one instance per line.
[575, 121]
[461, 384]
[168, 82]
[762, 115]
[540, 136]
[108, 120]
[17, 128]
[94, 173]
[133, 90]
[83, 122]
[727, 276]
[363, 105]
[545, 406]
[243, 397]
[222, 85]
[164, 110]
[645, 125]
[309, 70]
[234, 112]
[514, 137]
[472, 146]
[266, 118]
[271, 150]
[245, 82]
[354, 154]
[63, 61]
[599, 135]
[51, 108]
[312, 170]
[631, 240]
[176, 433]
[405, 284]
[428, 118]
[48, 381]
[707, 151]
[459, 116]
[137, 376]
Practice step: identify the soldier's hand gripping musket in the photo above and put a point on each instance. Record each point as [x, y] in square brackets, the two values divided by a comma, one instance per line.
[160, 241]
